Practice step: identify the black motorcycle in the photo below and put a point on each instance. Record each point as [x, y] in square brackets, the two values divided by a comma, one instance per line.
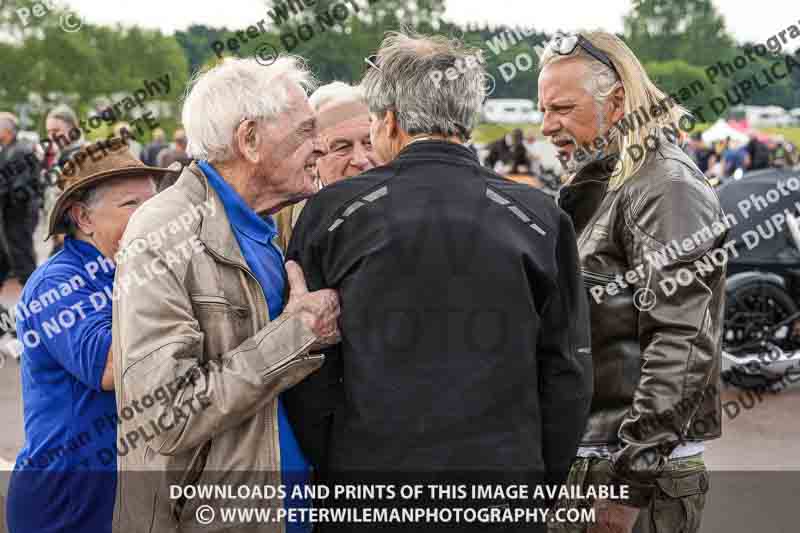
[761, 332]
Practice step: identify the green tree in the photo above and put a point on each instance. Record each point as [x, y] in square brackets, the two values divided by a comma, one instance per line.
[49, 65]
[687, 83]
[338, 41]
[197, 42]
[690, 30]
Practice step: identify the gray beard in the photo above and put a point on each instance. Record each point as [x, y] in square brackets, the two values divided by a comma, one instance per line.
[572, 167]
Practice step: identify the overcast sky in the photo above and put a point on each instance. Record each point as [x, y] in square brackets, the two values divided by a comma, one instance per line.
[746, 20]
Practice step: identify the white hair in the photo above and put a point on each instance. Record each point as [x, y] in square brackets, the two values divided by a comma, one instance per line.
[219, 99]
[336, 92]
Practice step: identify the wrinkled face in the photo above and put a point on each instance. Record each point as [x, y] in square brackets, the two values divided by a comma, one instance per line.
[287, 150]
[572, 117]
[57, 130]
[348, 150]
[106, 219]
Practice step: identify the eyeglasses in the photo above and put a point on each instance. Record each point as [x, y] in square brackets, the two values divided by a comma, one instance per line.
[564, 45]
[372, 61]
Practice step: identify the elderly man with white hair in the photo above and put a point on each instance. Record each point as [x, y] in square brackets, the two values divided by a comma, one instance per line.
[343, 118]
[206, 340]
[344, 146]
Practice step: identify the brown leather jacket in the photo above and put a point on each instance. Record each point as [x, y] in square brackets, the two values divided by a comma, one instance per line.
[652, 261]
[197, 364]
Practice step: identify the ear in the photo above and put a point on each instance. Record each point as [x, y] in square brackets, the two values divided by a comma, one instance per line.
[247, 139]
[82, 218]
[618, 104]
[391, 124]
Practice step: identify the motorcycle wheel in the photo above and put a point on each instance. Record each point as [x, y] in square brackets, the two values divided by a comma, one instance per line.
[752, 309]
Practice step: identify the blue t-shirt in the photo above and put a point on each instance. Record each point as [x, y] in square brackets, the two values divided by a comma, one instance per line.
[734, 158]
[255, 237]
[65, 475]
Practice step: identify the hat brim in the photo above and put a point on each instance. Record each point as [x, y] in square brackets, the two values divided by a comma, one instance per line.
[57, 225]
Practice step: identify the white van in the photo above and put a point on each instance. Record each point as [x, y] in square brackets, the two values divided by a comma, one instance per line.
[511, 111]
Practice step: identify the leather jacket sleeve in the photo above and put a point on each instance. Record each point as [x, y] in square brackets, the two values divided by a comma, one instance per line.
[675, 302]
[565, 364]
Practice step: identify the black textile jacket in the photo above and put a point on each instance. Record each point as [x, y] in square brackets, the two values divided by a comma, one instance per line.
[464, 321]
[19, 171]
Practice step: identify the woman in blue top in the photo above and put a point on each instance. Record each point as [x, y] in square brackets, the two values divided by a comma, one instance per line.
[65, 475]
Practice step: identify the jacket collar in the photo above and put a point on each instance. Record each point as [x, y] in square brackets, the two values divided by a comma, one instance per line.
[216, 231]
[240, 215]
[582, 196]
[600, 170]
[437, 150]
[88, 253]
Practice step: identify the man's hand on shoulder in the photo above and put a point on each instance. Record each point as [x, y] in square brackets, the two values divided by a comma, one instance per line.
[319, 310]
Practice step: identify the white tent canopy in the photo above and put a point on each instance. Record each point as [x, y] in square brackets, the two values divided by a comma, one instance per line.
[721, 130]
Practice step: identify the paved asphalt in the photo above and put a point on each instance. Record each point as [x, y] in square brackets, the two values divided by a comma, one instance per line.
[755, 466]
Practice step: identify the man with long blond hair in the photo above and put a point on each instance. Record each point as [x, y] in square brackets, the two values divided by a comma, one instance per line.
[645, 219]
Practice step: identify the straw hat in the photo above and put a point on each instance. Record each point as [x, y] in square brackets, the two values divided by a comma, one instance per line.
[91, 165]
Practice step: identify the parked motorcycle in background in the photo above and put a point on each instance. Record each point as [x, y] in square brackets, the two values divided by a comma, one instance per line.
[761, 332]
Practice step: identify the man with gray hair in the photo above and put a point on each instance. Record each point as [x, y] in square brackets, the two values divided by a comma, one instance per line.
[211, 324]
[464, 316]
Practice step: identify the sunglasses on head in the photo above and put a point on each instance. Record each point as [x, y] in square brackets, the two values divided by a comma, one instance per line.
[371, 62]
[565, 45]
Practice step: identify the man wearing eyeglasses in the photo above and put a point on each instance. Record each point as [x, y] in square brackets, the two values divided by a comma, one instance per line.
[655, 342]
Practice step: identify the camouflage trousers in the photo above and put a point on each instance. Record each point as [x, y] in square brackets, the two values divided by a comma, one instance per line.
[675, 503]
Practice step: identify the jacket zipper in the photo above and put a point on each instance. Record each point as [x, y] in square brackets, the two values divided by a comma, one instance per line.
[178, 506]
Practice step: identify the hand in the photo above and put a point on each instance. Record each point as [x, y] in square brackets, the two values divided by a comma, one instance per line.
[319, 310]
[613, 517]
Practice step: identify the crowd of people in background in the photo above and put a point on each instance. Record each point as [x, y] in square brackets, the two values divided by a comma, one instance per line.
[527, 157]
[28, 174]
[720, 160]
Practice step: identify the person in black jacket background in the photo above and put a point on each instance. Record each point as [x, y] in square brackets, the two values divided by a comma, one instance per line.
[510, 151]
[19, 202]
[465, 351]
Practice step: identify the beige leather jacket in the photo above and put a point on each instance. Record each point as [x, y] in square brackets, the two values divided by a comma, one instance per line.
[197, 366]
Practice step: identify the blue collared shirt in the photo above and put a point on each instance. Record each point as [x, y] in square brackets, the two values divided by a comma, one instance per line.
[65, 475]
[255, 238]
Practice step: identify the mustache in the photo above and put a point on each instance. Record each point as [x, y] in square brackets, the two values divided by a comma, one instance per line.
[564, 137]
